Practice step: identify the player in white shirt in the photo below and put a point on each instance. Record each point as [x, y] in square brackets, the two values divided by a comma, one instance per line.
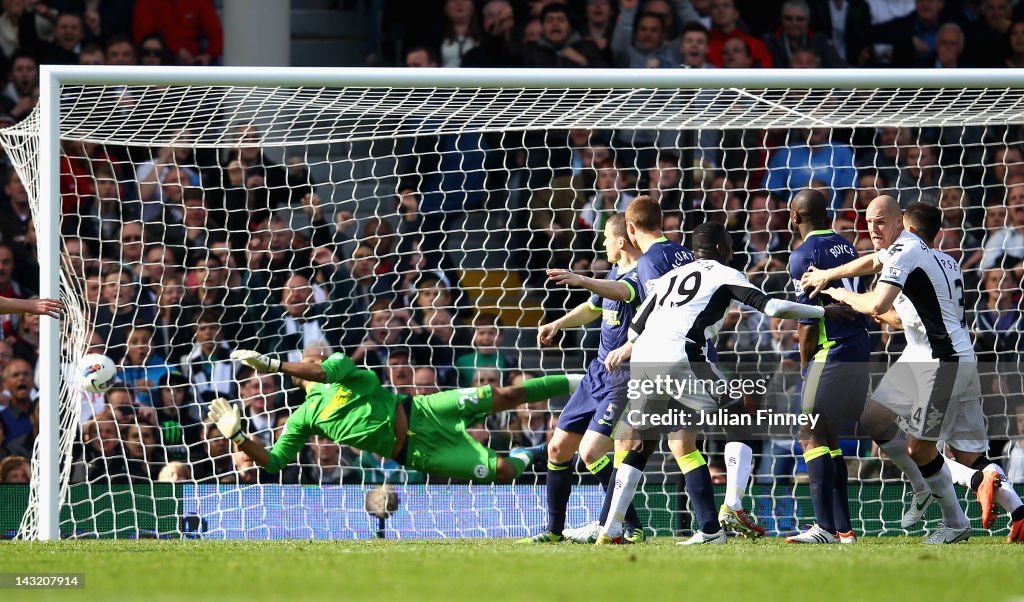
[670, 333]
[933, 390]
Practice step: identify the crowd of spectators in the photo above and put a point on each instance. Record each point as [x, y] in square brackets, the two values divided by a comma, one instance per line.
[658, 34]
[183, 255]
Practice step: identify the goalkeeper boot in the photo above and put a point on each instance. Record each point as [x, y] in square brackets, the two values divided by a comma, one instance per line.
[544, 537]
[603, 539]
[634, 535]
[847, 538]
[918, 506]
[1016, 532]
[584, 534]
[701, 537]
[740, 522]
[813, 535]
[990, 484]
[945, 534]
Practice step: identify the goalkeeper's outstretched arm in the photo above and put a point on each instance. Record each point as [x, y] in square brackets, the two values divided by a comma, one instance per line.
[228, 419]
[264, 363]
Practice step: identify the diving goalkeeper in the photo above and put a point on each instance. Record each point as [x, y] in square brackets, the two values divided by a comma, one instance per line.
[348, 405]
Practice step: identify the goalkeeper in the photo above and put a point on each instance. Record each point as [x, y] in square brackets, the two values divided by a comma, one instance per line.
[348, 405]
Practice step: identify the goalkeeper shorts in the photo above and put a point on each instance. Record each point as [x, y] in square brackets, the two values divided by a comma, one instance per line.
[438, 442]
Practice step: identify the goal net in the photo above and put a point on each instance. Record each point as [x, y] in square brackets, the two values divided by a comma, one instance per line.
[410, 226]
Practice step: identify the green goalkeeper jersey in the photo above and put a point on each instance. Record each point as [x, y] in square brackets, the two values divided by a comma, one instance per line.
[350, 407]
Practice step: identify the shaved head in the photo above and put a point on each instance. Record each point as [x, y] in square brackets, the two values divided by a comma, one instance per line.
[885, 221]
[810, 209]
[884, 204]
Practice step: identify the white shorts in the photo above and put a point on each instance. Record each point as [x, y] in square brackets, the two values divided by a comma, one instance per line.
[701, 390]
[969, 432]
[935, 400]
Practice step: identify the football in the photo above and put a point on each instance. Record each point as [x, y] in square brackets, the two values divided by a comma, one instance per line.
[97, 372]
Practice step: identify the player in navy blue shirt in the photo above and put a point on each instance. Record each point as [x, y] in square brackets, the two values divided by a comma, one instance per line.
[834, 359]
[660, 256]
[588, 419]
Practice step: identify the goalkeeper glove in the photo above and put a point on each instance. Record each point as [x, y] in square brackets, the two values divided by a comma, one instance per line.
[228, 419]
[256, 360]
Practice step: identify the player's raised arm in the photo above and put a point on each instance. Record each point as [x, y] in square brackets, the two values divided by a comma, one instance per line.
[584, 313]
[264, 363]
[608, 289]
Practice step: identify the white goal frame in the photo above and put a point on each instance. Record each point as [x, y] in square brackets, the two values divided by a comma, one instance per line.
[52, 77]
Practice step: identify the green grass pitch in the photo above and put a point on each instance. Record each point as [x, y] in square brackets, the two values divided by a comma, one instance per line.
[488, 570]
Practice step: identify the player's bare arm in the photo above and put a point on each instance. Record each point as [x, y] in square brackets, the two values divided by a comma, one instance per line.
[40, 307]
[878, 301]
[807, 337]
[889, 318]
[814, 279]
[619, 356]
[608, 289]
[584, 313]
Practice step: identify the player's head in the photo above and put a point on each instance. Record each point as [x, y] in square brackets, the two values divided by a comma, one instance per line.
[924, 220]
[616, 240]
[310, 356]
[643, 215]
[809, 211]
[712, 241]
[884, 221]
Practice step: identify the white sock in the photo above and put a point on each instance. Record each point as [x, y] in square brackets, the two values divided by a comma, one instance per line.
[574, 381]
[961, 474]
[941, 486]
[626, 479]
[1005, 496]
[896, 450]
[738, 466]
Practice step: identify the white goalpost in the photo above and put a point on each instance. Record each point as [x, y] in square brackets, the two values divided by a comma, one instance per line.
[500, 189]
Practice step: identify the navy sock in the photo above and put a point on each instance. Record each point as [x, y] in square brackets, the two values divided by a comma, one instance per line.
[604, 476]
[821, 475]
[606, 507]
[702, 496]
[841, 495]
[559, 486]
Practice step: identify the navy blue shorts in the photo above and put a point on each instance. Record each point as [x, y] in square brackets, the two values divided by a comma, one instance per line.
[837, 381]
[598, 403]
